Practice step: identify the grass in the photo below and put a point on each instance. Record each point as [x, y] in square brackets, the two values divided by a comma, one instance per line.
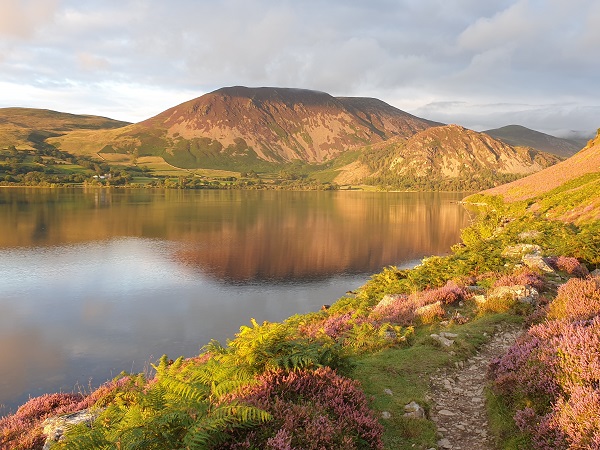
[502, 424]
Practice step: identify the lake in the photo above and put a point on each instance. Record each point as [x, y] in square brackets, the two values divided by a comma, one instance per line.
[97, 281]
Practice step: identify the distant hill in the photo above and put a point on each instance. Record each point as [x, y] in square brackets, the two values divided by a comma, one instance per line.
[450, 156]
[237, 127]
[518, 135]
[28, 128]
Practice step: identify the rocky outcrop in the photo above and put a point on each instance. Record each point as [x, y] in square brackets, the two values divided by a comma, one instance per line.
[55, 427]
[520, 293]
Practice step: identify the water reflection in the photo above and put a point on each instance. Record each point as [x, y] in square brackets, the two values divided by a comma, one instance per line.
[240, 236]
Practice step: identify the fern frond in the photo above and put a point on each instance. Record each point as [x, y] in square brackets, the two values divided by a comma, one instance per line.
[184, 390]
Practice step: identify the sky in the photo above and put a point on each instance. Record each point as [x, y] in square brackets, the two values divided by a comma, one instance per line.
[481, 64]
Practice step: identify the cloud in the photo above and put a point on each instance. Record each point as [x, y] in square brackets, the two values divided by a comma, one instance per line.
[406, 52]
[23, 18]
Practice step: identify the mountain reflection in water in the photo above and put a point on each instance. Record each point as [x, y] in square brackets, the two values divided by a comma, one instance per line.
[246, 235]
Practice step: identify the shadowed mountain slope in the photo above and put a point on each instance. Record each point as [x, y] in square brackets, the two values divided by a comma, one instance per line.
[28, 128]
[518, 135]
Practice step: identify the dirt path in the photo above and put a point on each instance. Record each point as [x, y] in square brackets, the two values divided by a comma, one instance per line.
[458, 399]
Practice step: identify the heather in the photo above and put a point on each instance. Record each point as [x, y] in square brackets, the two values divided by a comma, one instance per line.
[551, 376]
[331, 411]
[577, 299]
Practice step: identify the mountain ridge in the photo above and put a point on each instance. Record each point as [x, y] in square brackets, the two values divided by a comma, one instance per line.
[518, 135]
[346, 140]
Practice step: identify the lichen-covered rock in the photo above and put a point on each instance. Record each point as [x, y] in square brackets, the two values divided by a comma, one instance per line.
[388, 299]
[413, 409]
[519, 250]
[537, 262]
[55, 427]
[521, 293]
[442, 340]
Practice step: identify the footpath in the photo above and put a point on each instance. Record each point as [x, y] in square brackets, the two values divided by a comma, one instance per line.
[458, 399]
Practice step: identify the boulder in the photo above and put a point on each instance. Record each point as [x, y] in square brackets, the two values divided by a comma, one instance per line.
[519, 250]
[537, 262]
[479, 299]
[519, 292]
[424, 310]
[388, 299]
[523, 236]
[413, 409]
[55, 427]
[442, 340]
[448, 335]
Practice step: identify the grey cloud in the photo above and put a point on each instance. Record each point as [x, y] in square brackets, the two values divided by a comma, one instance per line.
[411, 52]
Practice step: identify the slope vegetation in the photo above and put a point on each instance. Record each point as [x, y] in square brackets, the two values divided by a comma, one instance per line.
[568, 190]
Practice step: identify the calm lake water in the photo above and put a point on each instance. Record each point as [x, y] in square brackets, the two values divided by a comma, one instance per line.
[93, 282]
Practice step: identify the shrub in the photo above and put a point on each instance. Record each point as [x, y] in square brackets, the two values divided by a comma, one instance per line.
[311, 410]
[448, 294]
[568, 264]
[523, 277]
[552, 377]
[577, 299]
[578, 418]
[22, 430]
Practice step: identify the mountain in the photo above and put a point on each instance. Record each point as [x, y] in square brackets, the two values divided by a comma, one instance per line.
[518, 135]
[248, 125]
[298, 133]
[447, 155]
[566, 191]
[28, 128]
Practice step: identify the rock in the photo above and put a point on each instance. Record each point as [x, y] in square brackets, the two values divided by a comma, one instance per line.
[413, 409]
[537, 262]
[390, 335]
[427, 309]
[54, 427]
[442, 340]
[519, 292]
[388, 391]
[444, 443]
[389, 299]
[475, 289]
[595, 273]
[520, 250]
[445, 412]
[448, 335]
[529, 235]
[386, 415]
[479, 299]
